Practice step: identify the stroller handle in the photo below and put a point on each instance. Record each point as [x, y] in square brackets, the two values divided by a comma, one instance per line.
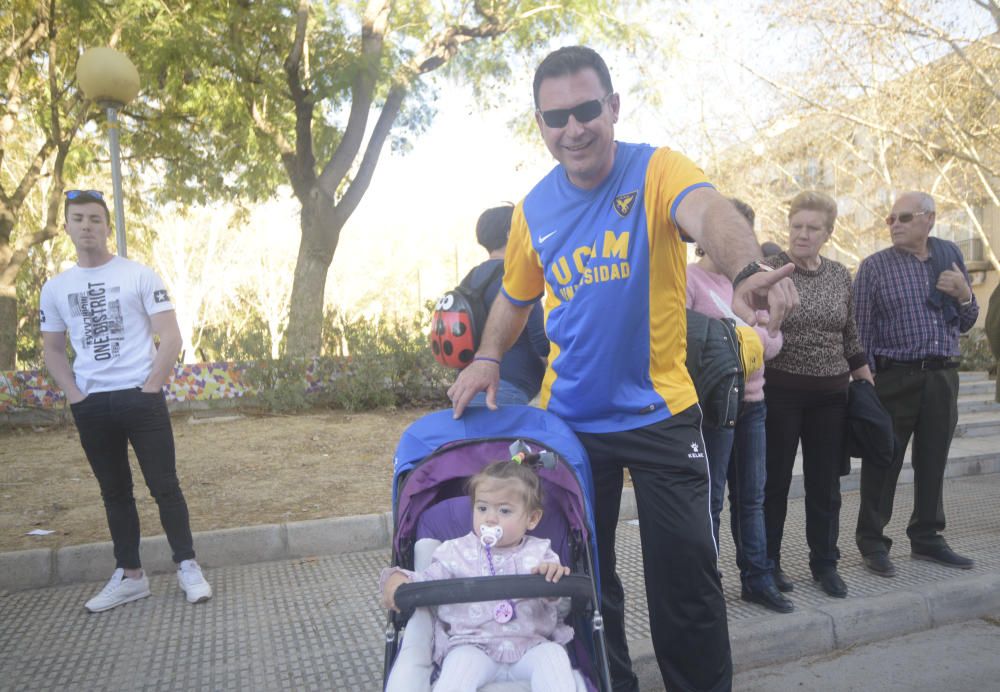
[475, 589]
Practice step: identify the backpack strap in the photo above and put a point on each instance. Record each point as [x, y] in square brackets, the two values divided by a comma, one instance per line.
[477, 287]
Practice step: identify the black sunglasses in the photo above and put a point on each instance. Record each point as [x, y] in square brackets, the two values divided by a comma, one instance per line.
[73, 194]
[905, 217]
[584, 113]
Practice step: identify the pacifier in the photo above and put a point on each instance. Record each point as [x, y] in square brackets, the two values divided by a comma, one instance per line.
[489, 536]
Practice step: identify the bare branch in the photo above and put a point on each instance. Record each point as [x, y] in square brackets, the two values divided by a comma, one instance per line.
[858, 120]
[358, 187]
[302, 98]
[373, 28]
[936, 33]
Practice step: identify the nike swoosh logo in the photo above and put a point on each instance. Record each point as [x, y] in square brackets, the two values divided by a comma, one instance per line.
[543, 238]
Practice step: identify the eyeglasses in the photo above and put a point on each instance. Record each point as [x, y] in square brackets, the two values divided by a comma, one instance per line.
[905, 217]
[584, 113]
[73, 194]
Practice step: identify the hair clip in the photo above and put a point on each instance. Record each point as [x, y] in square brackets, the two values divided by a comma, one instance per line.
[521, 453]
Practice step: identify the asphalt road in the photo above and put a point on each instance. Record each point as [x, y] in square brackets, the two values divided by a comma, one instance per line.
[956, 658]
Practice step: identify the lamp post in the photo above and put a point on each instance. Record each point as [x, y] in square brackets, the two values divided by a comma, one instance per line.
[110, 79]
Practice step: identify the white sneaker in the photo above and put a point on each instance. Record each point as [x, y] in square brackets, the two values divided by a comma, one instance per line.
[119, 590]
[192, 582]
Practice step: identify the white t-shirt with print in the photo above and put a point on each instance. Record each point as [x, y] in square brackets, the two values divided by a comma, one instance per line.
[106, 310]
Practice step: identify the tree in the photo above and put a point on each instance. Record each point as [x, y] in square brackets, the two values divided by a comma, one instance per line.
[194, 251]
[287, 91]
[39, 119]
[47, 132]
[893, 95]
[240, 97]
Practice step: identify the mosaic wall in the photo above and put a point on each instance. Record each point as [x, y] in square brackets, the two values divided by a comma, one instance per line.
[31, 389]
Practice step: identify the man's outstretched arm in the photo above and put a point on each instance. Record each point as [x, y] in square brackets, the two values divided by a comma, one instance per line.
[722, 232]
[504, 325]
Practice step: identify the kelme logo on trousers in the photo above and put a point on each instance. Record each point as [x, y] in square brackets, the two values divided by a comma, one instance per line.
[623, 203]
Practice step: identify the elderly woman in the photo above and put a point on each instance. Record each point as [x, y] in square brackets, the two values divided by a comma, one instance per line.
[806, 391]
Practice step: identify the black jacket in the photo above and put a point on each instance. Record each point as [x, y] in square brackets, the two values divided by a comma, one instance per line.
[870, 434]
[713, 361]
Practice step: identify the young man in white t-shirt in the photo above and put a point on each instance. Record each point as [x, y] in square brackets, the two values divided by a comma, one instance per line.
[112, 307]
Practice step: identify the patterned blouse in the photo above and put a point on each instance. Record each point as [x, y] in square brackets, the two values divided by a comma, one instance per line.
[821, 343]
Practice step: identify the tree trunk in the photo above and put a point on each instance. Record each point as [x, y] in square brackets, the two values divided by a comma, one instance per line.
[320, 233]
[8, 327]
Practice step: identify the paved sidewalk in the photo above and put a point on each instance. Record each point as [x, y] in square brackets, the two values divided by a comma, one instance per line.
[314, 623]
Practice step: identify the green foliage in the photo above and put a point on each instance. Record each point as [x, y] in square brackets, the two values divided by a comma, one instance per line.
[976, 354]
[367, 364]
[280, 385]
[240, 338]
[388, 363]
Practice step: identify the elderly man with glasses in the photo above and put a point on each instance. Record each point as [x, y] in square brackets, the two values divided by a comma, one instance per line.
[602, 238]
[912, 300]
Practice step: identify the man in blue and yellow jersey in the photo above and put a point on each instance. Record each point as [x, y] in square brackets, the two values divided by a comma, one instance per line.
[602, 237]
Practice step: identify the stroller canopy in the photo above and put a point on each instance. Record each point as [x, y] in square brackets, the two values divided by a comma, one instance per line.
[439, 429]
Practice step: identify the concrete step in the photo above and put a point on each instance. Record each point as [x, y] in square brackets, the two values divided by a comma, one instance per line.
[973, 375]
[976, 403]
[978, 424]
[985, 388]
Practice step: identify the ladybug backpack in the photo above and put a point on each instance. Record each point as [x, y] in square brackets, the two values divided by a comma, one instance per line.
[459, 318]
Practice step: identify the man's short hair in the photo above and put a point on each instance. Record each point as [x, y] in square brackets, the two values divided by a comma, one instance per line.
[570, 60]
[813, 200]
[924, 200]
[493, 227]
[85, 198]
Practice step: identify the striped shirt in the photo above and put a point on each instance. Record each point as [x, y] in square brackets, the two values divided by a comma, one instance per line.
[893, 315]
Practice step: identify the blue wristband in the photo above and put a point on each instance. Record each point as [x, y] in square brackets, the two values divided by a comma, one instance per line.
[491, 360]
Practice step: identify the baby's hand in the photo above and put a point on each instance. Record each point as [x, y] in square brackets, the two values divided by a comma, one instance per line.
[389, 592]
[552, 571]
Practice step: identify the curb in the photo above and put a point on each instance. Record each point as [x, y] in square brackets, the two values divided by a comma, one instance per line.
[773, 639]
[29, 569]
[89, 562]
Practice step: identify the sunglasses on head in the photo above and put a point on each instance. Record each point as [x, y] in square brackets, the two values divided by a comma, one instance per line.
[905, 217]
[73, 194]
[584, 113]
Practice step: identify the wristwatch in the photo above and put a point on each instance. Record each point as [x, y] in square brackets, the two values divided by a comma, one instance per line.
[751, 269]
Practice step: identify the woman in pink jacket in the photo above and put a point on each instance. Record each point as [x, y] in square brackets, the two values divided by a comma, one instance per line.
[739, 454]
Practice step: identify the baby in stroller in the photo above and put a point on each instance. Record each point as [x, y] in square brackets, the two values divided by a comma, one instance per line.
[478, 643]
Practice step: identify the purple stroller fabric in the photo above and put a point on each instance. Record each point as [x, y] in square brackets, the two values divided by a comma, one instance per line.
[429, 483]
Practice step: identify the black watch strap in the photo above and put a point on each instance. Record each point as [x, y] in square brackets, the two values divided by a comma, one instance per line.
[749, 270]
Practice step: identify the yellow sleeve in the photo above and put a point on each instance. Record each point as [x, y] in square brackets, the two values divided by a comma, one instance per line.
[669, 177]
[523, 280]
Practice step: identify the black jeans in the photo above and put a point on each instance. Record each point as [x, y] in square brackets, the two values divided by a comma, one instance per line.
[687, 609]
[923, 404]
[820, 421]
[107, 422]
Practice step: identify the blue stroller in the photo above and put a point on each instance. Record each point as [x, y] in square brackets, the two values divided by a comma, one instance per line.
[435, 457]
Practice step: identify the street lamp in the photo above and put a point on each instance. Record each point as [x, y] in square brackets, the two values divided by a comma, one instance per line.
[110, 79]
